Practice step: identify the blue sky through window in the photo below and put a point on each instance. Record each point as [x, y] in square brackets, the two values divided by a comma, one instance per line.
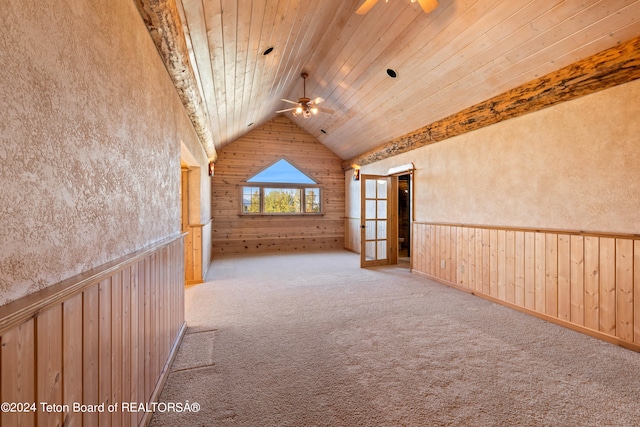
[282, 172]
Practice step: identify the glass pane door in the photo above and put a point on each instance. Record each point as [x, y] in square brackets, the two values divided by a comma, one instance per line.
[374, 220]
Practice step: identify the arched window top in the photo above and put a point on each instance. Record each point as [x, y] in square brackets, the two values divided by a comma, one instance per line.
[282, 172]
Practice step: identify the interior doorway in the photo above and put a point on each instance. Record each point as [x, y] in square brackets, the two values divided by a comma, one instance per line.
[195, 257]
[386, 216]
[184, 217]
[404, 218]
[378, 223]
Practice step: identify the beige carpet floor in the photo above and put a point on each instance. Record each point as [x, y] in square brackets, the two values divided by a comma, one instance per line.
[313, 340]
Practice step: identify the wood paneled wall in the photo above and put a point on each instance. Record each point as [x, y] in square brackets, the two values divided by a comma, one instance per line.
[197, 242]
[589, 282]
[106, 336]
[194, 268]
[238, 161]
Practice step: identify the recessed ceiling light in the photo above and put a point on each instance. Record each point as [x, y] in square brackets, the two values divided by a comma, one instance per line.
[392, 73]
[250, 124]
[268, 50]
[323, 131]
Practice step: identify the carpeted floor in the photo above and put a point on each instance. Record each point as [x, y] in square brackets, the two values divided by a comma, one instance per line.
[313, 340]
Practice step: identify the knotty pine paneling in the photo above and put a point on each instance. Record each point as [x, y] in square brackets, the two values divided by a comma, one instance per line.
[72, 348]
[519, 261]
[589, 282]
[105, 336]
[194, 262]
[197, 245]
[243, 158]
[49, 363]
[592, 282]
[576, 278]
[18, 372]
[564, 276]
[624, 289]
[90, 353]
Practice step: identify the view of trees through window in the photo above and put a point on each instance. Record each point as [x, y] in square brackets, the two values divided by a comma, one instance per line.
[281, 200]
[291, 195]
[312, 200]
[251, 200]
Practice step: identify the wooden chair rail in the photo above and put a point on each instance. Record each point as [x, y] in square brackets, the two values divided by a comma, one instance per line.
[536, 230]
[23, 309]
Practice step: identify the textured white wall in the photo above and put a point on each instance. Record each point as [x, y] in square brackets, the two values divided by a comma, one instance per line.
[89, 141]
[573, 166]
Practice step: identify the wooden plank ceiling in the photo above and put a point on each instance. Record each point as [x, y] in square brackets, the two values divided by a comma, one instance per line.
[464, 52]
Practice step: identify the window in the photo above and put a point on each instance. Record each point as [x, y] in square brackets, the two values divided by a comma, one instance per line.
[281, 200]
[281, 189]
[251, 199]
[282, 172]
[312, 200]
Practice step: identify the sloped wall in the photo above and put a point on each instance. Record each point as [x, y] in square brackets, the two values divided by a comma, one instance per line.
[238, 161]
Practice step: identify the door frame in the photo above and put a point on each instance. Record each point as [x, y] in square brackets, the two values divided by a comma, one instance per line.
[410, 213]
[391, 255]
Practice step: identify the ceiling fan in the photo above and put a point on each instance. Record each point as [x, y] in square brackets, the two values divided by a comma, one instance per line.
[305, 107]
[426, 5]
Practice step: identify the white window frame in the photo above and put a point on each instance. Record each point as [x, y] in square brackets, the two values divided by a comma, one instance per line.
[303, 188]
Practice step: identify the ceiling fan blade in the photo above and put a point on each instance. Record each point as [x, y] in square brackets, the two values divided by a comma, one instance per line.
[366, 6]
[317, 101]
[325, 110]
[428, 5]
[290, 102]
[284, 111]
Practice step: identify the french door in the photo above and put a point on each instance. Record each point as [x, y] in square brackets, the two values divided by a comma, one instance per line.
[378, 238]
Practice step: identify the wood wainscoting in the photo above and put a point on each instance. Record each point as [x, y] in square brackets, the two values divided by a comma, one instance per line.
[105, 336]
[589, 282]
[193, 255]
[197, 252]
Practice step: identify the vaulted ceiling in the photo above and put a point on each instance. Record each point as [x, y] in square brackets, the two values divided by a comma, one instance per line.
[464, 52]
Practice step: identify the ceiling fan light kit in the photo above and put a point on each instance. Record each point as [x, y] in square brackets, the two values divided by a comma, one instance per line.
[305, 107]
[427, 6]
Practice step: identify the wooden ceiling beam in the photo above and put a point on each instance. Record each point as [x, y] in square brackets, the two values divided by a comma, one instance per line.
[612, 67]
[163, 22]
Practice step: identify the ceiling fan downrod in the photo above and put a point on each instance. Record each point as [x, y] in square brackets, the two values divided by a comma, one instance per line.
[304, 108]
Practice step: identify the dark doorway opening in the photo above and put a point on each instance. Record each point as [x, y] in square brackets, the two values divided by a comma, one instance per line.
[404, 217]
